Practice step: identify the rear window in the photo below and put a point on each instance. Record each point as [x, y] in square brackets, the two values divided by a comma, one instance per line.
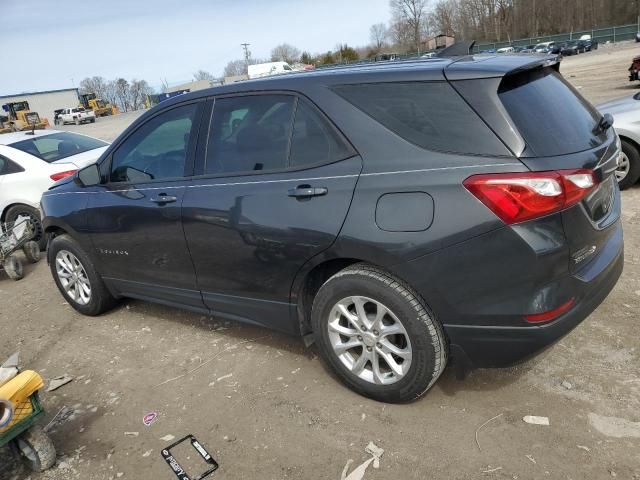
[551, 116]
[430, 115]
[57, 146]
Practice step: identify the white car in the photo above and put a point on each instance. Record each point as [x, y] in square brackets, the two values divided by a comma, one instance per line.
[31, 163]
[506, 50]
[626, 122]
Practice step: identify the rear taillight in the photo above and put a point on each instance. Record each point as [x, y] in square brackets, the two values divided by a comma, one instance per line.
[60, 175]
[517, 197]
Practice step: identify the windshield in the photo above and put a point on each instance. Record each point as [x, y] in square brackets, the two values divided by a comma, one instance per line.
[57, 146]
[550, 115]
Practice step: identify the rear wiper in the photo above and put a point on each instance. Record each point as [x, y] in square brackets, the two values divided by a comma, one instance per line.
[604, 124]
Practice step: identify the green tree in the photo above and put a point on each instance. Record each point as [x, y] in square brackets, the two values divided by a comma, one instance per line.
[347, 54]
[328, 58]
[306, 58]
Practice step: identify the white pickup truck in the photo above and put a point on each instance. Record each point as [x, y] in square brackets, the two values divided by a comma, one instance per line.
[76, 115]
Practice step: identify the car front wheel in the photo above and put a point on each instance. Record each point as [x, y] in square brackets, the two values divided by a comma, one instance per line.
[77, 278]
[375, 332]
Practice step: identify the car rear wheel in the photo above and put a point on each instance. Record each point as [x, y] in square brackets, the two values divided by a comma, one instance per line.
[77, 278]
[628, 170]
[375, 332]
[34, 216]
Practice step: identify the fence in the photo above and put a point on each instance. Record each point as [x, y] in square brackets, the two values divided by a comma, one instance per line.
[602, 35]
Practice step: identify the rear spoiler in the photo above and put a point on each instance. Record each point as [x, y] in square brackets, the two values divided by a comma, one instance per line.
[458, 49]
[496, 66]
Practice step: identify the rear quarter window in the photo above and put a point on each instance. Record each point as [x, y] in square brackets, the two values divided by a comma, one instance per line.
[551, 116]
[430, 115]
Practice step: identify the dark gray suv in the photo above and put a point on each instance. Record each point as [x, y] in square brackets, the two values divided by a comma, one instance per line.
[398, 214]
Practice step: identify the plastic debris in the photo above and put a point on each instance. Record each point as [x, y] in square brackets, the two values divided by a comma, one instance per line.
[483, 425]
[567, 385]
[530, 457]
[534, 420]
[358, 472]
[149, 418]
[491, 470]
[9, 369]
[58, 382]
[167, 438]
[131, 434]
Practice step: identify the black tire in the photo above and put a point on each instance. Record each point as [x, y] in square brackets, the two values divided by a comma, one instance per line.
[13, 268]
[77, 121]
[31, 251]
[26, 211]
[35, 449]
[100, 299]
[93, 120]
[428, 343]
[631, 151]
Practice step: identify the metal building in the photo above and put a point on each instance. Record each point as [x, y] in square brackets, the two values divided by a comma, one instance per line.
[45, 102]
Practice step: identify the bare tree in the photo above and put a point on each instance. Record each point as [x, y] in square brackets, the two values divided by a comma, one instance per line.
[203, 75]
[378, 35]
[410, 16]
[138, 91]
[122, 93]
[94, 84]
[235, 68]
[285, 53]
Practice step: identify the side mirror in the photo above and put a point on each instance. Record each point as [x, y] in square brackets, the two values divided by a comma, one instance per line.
[89, 176]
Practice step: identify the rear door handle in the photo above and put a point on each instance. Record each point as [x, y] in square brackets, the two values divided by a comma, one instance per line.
[163, 198]
[307, 191]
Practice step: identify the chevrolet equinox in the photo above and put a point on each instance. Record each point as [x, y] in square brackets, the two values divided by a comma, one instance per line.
[397, 214]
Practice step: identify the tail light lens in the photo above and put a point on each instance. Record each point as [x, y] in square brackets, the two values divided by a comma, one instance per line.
[551, 314]
[60, 175]
[517, 197]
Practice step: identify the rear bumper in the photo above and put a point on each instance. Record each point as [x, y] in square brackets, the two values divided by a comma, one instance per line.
[501, 346]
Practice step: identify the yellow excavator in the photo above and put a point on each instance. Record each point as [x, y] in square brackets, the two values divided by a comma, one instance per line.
[101, 108]
[20, 117]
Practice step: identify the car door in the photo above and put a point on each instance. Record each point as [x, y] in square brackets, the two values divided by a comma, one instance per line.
[134, 217]
[276, 182]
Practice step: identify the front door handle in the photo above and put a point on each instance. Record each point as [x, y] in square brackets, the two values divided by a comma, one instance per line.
[307, 191]
[163, 198]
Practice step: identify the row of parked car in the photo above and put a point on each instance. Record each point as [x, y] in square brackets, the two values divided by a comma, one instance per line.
[570, 47]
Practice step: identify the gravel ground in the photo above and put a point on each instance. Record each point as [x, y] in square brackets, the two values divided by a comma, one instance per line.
[266, 408]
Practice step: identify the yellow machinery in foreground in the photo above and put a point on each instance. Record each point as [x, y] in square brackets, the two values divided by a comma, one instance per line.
[20, 117]
[20, 409]
[99, 106]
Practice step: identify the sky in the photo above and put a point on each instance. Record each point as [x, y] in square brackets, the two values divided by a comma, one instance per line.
[53, 44]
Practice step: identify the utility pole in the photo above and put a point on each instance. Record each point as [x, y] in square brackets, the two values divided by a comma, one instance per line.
[247, 53]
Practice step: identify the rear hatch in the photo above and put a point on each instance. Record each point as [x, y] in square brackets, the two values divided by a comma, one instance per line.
[549, 126]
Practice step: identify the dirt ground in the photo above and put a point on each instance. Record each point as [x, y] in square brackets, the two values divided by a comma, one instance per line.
[265, 407]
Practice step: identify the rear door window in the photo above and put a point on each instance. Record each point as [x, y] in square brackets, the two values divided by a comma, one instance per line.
[249, 133]
[429, 114]
[314, 140]
[551, 116]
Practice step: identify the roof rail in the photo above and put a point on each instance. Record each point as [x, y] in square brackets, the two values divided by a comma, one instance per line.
[458, 49]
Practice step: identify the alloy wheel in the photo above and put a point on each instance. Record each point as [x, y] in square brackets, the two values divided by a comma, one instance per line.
[623, 167]
[73, 277]
[369, 340]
